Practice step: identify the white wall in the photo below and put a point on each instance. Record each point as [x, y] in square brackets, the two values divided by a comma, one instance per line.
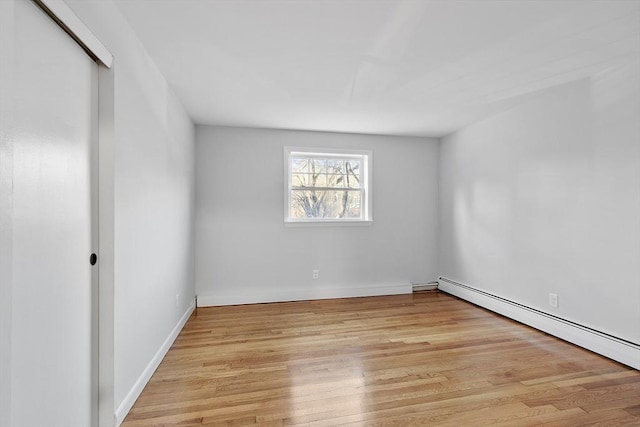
[154, 196]
[546, 198]
[245, 253]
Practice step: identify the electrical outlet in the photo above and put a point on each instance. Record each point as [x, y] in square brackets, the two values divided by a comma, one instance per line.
[177, 300]
[315, 274]
[553, 300]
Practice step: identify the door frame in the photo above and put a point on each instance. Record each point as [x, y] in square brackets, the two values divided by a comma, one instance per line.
[102, 196]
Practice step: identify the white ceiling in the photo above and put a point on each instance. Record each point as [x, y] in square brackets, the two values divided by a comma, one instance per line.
[400, 67]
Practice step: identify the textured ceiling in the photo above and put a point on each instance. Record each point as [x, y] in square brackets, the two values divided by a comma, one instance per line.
[412, 67]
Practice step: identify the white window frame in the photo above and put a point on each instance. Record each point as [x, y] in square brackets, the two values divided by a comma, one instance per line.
[366, 159]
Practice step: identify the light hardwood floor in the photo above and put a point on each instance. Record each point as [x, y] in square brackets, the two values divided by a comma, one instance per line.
[422, 359]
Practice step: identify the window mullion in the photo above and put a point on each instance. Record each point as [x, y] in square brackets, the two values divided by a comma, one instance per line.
[351, 190]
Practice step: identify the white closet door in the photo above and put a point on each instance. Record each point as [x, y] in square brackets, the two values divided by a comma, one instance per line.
[55, 118]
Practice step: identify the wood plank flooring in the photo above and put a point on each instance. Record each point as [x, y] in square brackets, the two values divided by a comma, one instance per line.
[422, 359]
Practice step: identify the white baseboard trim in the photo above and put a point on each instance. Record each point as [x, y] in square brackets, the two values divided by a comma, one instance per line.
[418, 287]
[252, 297]
[126, 405]
[599, 342]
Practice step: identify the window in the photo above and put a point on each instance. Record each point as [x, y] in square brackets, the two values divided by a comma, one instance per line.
[327, 185]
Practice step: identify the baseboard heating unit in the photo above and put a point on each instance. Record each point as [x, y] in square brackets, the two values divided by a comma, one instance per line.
[599, 342]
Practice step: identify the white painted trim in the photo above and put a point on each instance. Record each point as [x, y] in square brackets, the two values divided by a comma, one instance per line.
[6, 206]
[252, 297]
[598, 342]
[69, 21]
[329, 223]
[431, 286]
[366, 157]
[106, 244]
[127, 403]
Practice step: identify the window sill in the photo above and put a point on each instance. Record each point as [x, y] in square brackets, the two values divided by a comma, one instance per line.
[328, 223]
